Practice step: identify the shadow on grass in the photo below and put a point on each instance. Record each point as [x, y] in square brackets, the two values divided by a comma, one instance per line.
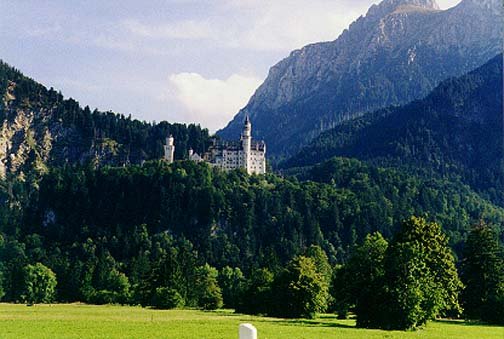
[304, 323]
[465, 323]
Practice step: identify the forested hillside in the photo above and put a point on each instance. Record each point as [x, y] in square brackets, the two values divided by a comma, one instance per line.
[144, 227]
[456, 131]
[39, 128]
[398, 52]
[81, 218]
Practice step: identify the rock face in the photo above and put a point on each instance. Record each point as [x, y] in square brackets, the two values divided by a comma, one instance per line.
[460, 122]
[457, 130]
[39, 129]
[398, 52]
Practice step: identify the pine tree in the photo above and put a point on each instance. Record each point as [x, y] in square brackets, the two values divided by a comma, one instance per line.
[483, 274]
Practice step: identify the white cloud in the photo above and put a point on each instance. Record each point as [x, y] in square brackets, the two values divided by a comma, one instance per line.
[445, 4]
[256, 24]
[212, 102]
[291, 24]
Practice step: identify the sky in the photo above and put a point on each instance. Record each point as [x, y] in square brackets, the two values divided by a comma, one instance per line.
[177, 60]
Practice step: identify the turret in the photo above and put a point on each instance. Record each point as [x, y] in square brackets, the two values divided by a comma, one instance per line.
[246, 143]
[169, 150]
[247, 127]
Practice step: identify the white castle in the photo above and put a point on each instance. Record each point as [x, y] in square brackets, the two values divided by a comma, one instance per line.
[229, 155]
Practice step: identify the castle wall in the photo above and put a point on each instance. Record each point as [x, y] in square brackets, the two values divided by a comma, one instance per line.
[244, 154]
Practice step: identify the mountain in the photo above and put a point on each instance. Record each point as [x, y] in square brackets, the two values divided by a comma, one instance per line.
[456, 130]
[39, 128]
[398, 52]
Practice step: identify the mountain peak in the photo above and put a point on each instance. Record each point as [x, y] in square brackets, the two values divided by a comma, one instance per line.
[388, 6]
[395, 54]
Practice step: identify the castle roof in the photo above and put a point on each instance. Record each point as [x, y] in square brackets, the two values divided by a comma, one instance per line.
[236, 145]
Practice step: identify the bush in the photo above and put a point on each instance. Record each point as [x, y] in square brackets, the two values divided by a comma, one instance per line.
[257, 296]
[103, 297]
[300, 291]
[231, 282]
[39, 284]
[167, 298]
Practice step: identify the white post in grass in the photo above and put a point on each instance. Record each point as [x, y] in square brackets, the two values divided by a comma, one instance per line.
[247, 331]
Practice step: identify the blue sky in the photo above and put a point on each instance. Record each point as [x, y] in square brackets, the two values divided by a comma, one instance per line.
[176, 60]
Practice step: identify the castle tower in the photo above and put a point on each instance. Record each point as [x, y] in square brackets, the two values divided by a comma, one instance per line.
[169, 150]
[247, 143]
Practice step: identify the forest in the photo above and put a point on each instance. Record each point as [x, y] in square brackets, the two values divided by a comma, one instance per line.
[79, 134]
[187, 234]
[454, 132]
[395, 233]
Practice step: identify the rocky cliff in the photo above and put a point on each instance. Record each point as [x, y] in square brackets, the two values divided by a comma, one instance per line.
[39, 128]
[456, 131]
[399, 51]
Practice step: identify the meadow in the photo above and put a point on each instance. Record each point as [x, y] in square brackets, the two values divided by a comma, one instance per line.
[87, 321]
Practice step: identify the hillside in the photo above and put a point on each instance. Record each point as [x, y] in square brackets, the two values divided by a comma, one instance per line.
[398, 52]
[39, 128]
[456, 130]
[110, 232]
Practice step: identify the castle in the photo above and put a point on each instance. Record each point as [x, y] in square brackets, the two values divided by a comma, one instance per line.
[229, 155]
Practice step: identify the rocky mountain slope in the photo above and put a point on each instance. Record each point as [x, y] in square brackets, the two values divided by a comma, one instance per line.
[456, 130]
[40, 128]
[397, 53]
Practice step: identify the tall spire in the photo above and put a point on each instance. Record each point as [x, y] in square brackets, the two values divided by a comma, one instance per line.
[247, 119]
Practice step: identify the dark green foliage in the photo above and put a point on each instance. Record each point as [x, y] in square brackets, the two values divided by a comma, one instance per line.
[257, 297]
[454, 132]
[322, 264]
[104, 283]
[167, 298]
[271, 218]
[2, 290]
[232, 284]
[390, 195]
[300, 291]
[12, 261]
[39, 284]
[402, 285]
[156, 223]
[207, 288]
[359, 283]
[482, 272]
[81, 135]
[420, 275]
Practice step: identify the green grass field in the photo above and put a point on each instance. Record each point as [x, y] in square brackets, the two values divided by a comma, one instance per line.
[86, 321]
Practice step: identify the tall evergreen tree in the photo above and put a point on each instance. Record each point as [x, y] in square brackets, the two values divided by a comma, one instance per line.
[482, 272]
[360, 282]
[207, 288]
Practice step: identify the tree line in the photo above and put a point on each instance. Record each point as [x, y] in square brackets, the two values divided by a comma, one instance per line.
[80, 134]
[454, 132]
[189, 235]
[400, 284]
